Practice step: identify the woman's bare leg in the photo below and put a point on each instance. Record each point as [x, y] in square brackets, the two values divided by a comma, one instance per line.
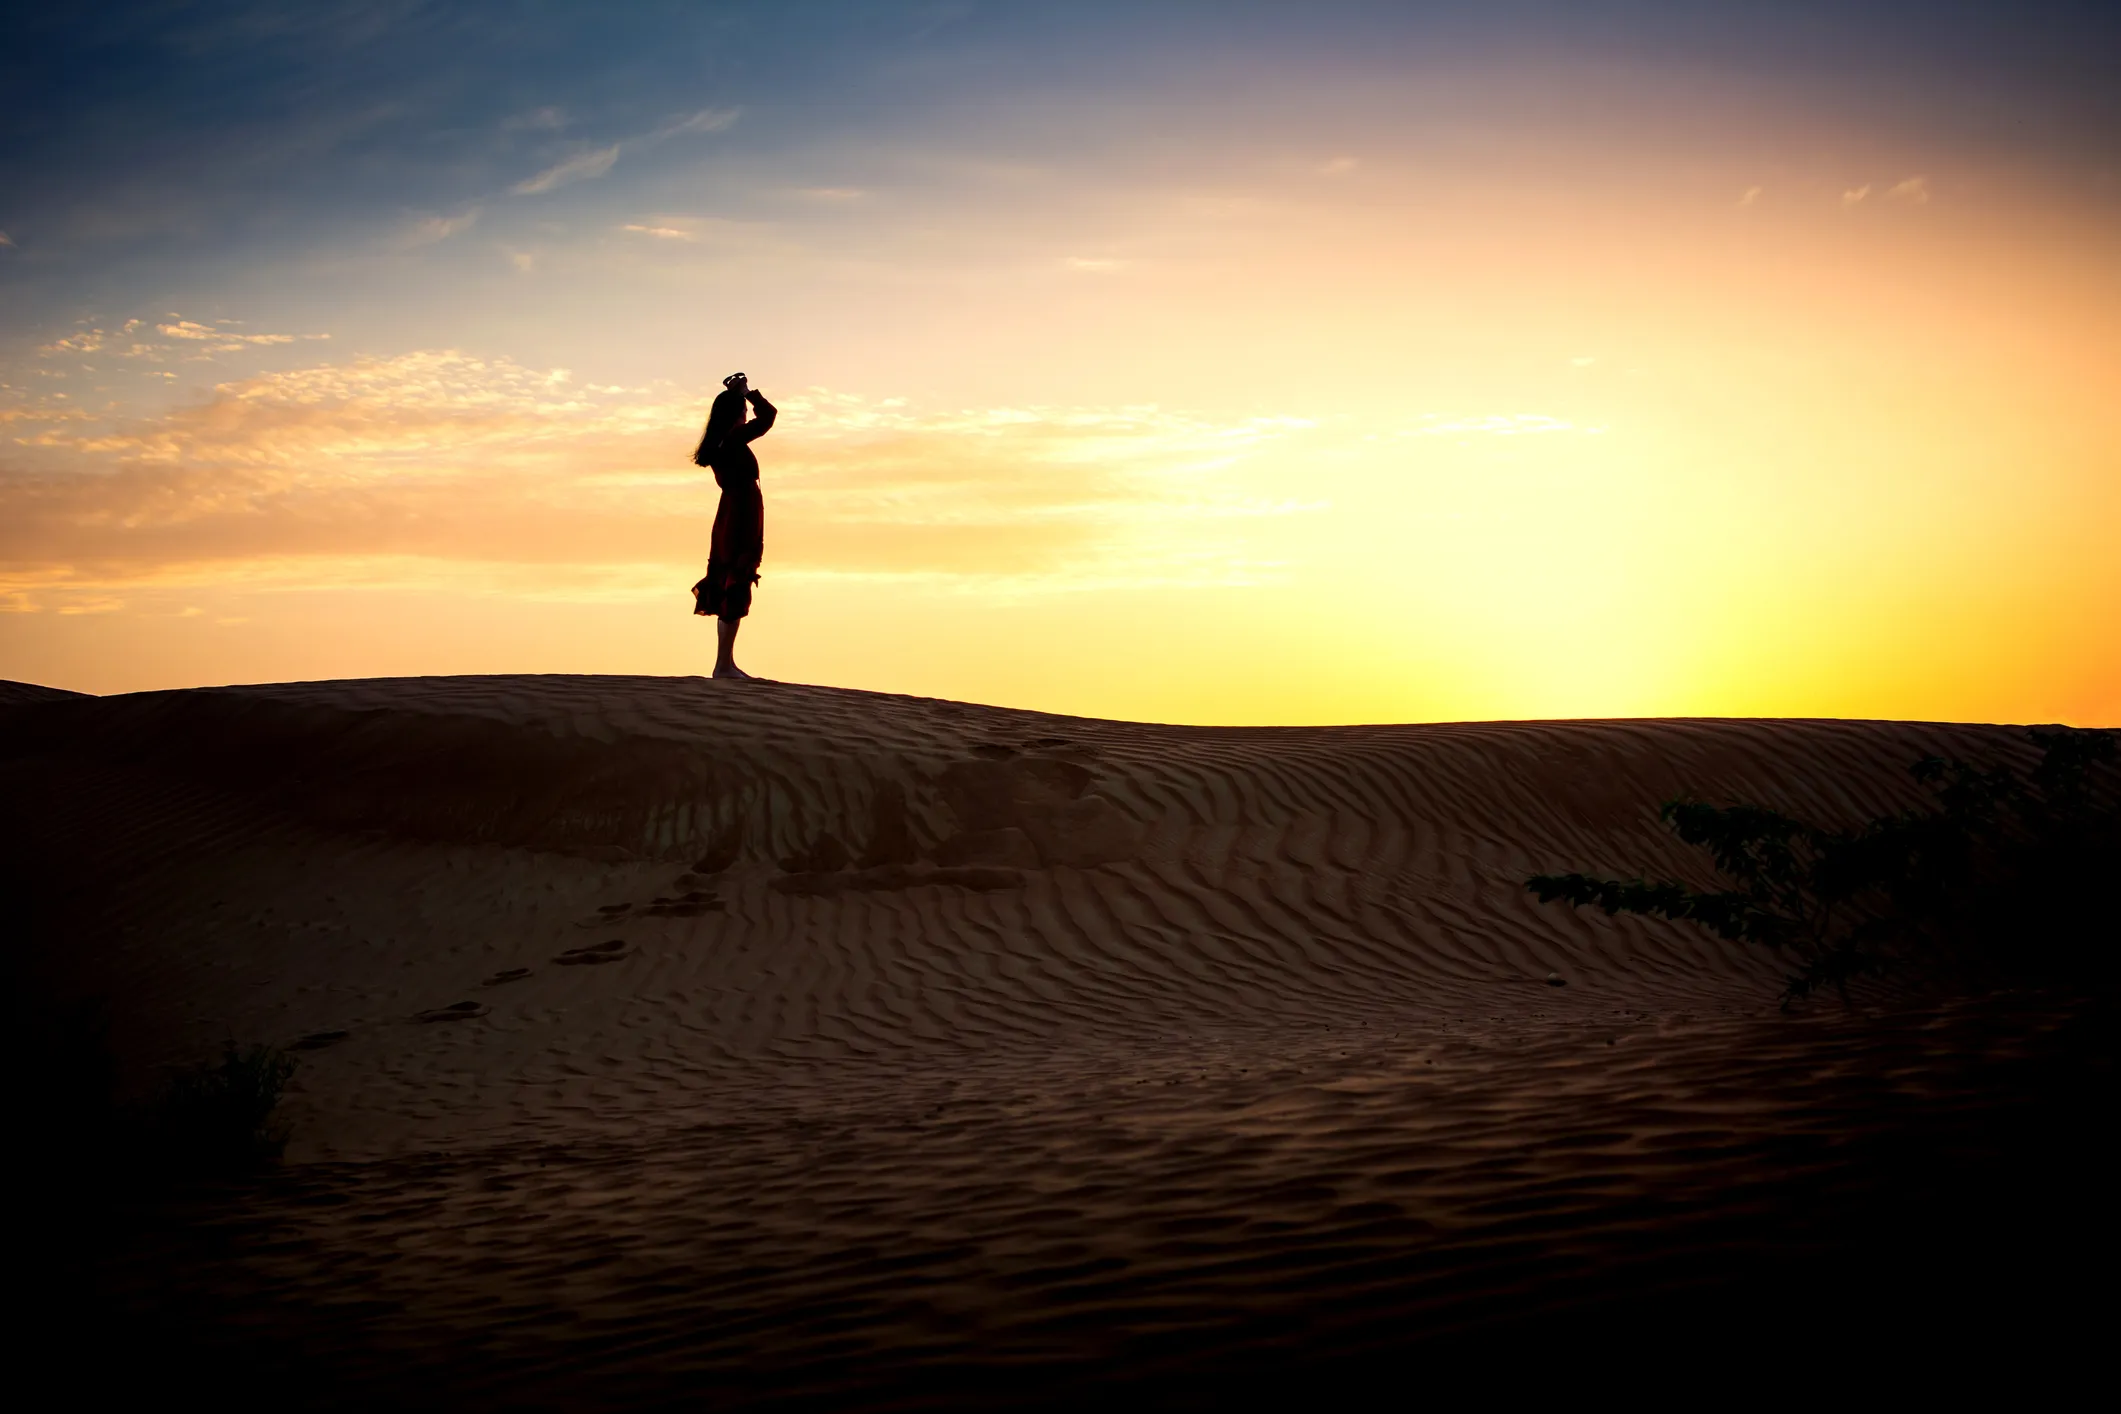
[725, 644]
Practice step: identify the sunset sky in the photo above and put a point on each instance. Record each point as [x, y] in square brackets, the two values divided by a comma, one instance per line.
[1204, 363]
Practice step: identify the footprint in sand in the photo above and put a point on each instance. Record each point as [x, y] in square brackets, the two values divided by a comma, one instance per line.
[611, 951]
[606, 915]
[512, 974]
[318, 1040]
[690, 904]
[460, 1011]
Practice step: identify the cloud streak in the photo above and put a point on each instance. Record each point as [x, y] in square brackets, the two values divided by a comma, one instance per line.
[202, 340]
[431, 230]
[446, 459]
[186, 329]
[584, 166]
[587, 166]
[707, 120]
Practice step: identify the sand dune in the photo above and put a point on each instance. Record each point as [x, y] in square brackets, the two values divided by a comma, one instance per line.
[666, 1034]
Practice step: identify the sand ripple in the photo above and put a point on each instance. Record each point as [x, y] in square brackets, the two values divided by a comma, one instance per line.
[665, 1035]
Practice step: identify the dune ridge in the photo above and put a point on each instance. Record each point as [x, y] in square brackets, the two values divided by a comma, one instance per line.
[394, 843]
[668, 1037]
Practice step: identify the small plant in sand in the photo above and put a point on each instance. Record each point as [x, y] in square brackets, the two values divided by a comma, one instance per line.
[2002, 858]
[219, 1117]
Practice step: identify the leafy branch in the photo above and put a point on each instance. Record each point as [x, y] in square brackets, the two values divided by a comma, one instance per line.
[1998, 853]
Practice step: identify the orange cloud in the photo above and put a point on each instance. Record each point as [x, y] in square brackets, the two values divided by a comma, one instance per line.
[443, 457]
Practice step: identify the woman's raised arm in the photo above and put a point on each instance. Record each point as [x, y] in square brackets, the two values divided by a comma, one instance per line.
[762, 419]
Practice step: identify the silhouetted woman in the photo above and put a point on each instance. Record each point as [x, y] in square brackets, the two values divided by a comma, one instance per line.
[740, 520]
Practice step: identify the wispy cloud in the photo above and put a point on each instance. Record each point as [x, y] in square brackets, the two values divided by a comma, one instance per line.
[429, 230]
[189, 329]
[547, 119]
[581, 167]
[43, 414]
[448, 460]
[667, 233]
[1750, 196]
[707, 120]
[586, 166]
[87, 341]
[1913, 191]
[190, 334]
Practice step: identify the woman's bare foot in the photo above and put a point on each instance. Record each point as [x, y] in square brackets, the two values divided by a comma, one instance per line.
[725, 649]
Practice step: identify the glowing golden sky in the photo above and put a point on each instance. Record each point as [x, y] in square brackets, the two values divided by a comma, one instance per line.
[1495, 384]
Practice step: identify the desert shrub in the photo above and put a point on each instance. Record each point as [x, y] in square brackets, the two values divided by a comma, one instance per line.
[219, 1117]
[2004, 871]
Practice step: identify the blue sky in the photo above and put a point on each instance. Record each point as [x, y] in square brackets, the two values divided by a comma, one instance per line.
[152, 145]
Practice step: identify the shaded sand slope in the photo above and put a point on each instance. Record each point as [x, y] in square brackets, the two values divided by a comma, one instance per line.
[664, 1039]
[14, 693]
[270, 863]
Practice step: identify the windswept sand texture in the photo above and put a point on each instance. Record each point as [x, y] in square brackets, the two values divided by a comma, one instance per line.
[670, 1038]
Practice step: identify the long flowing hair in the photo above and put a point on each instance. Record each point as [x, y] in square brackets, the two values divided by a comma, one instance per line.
[725, 417]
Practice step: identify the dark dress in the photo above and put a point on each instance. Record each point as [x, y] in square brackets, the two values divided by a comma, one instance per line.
[739, 522]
